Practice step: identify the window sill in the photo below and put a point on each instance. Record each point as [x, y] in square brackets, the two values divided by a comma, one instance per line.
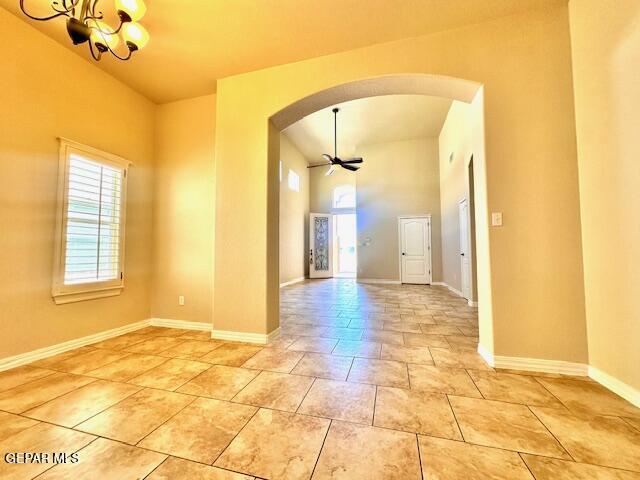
[64, 298]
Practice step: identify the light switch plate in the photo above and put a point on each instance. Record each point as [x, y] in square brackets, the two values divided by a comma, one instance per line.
[181, 300]
[496, 219]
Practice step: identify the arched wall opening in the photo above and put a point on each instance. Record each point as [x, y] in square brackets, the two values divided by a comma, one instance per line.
[466, 91]
[537, 288]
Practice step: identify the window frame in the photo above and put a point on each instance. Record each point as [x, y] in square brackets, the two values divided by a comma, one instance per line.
[60, 292]
[333, 199]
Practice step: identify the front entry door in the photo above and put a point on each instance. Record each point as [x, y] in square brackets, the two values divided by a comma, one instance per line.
[320, 245]
[415, 250]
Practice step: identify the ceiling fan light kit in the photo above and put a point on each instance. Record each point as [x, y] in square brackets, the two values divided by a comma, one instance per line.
[335, 161]
[85, 24]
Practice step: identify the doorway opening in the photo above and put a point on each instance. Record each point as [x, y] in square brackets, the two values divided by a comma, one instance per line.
[345, 241]
[436, 173]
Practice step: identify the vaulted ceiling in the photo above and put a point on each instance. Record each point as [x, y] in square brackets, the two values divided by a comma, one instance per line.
[195, 42]
[369, 120]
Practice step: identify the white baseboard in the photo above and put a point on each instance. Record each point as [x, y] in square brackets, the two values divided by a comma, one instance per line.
[183, 324]
[618, 387]
[541, 365]
[378, 280]
[533, 364]
[291, 282]
[259, 338]
[28, 357]
[486, 355]
[456, 291]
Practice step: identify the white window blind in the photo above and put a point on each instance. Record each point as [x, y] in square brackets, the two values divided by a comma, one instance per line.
[93, 222]
[89, 257]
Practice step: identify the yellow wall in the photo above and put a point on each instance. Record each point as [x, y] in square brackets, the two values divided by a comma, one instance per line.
[48, 91]
[456, 138]
[294, 214]
[397, 178]
[183, 210]
[606, 66]
[524, 63]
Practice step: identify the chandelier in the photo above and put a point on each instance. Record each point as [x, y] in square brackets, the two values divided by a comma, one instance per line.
[85, 24]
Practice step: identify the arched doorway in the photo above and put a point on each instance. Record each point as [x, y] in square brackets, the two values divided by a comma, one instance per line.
[456, 89]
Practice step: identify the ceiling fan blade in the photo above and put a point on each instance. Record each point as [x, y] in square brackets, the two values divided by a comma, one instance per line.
[350, 167]
[317, 165]
[330, 171]
[353, 160]
[328, 158]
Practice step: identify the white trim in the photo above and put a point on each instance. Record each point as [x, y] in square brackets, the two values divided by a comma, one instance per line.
[291, 282]
[182, 324]
[468, 253]
[378, 280]
[618, 387]
[486, 355]
[428, 217]
[259, 338]
[540, 365]
[454, 290]
[60, 292]
[28, 357]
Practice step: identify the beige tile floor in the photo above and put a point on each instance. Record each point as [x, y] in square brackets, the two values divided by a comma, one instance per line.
[365, 382]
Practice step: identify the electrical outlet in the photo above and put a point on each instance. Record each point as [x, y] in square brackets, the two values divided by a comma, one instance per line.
[181, 300]
[496, 219]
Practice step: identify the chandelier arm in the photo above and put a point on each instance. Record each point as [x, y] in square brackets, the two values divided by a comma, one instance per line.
[96, 56]
[91, 13]
[65, 8]
[105, 32]
[58, 14]
[118, 56]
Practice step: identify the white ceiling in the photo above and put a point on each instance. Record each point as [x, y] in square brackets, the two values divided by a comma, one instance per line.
[369, 120]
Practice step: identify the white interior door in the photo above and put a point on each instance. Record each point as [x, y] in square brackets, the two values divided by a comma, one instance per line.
[415, 250]
[465, 256]
[321, 245]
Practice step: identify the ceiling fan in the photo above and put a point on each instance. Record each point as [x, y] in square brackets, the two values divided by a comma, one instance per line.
[335, 161]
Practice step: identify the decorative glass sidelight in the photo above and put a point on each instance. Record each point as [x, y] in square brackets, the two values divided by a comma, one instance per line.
[321, 243]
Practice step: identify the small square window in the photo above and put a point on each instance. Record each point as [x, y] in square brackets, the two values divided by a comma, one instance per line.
[294, 181]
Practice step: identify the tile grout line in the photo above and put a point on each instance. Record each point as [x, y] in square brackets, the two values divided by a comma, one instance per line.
[321, 448]
[526, 464]
[456, 418]
[551, 433]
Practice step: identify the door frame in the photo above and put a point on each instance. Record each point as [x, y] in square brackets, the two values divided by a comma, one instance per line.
[468, 253]
[406, 217]
[311, 256]
[336, 212]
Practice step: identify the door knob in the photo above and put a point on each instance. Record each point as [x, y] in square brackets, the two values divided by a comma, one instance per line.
[403, 253]
[462, 254]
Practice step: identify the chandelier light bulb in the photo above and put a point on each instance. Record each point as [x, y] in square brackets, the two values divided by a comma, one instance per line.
[99, 35]
[135, 9]
[135, 34]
